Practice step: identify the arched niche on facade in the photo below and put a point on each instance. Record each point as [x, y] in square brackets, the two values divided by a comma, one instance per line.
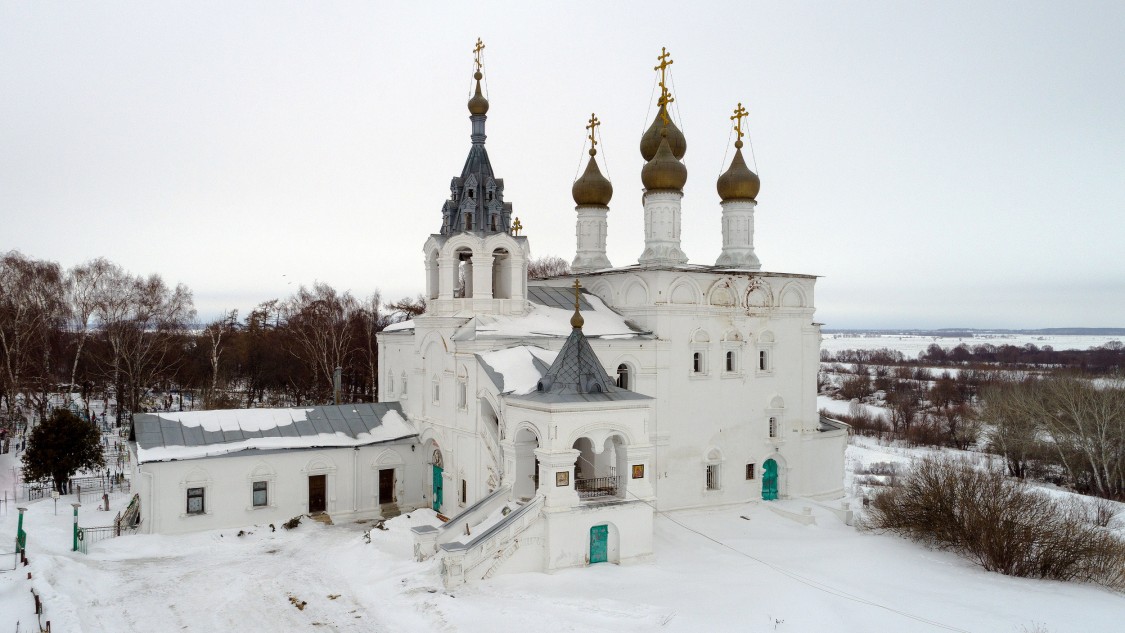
[635, 293]
[792, 296]
[721, 294]
[684, 291]
[758, 294]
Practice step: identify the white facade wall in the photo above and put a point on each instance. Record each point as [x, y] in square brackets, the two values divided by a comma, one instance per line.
[352, 486]
[712, 417]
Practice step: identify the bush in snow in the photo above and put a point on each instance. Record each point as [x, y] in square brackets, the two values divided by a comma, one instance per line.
[1001, 524]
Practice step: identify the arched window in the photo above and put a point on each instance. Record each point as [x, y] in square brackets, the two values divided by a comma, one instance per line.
[623, 376]
[773, 427]
[730, 360]
[697, 362]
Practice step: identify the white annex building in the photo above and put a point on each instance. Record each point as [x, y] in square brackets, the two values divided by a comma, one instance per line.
[546, 420]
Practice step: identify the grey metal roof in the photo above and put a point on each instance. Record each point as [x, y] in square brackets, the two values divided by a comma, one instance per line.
[155, 431]
[578, 376]
[554, 297]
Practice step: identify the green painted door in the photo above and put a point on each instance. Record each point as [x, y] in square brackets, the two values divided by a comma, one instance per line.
[599, 535]
[437, 488]
[769, 480]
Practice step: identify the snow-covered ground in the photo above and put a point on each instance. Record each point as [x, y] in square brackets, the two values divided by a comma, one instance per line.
[740, 568]
[910, 344]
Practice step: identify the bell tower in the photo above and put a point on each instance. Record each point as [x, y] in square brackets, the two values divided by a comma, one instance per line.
[477, 263]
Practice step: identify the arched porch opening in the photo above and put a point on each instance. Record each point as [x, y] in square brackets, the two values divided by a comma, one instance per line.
[525, 483]
[599, 474]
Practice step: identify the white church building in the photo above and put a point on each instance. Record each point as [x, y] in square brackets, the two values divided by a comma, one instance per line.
[557, 416]
[546, 421]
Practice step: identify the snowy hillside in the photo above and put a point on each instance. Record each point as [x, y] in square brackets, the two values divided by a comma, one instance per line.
[742, 568]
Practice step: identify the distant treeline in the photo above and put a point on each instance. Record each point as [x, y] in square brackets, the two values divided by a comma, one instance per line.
[103, 331]
[1107, 359]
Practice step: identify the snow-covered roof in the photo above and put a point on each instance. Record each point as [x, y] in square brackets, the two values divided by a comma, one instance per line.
[516, 369]
[191, 435]
[545, 317]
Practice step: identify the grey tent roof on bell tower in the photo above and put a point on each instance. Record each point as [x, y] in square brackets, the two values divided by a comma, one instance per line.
[476, 200]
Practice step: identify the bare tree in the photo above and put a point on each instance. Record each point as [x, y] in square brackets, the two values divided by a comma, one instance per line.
[548, 266]
[83, 286]
[371, 320]
[318, 320]
[31, 311]
[140, 320]
[1087, 425]
[214, 334]
[406, 308]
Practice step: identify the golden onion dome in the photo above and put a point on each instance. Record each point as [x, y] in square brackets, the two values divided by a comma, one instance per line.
[664, 171]
[738, 182]
[478, 104]
[650, 140]
[592, 188]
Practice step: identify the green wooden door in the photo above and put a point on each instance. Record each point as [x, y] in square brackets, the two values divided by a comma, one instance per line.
[599, 535]
[769, 480]
[437, 488]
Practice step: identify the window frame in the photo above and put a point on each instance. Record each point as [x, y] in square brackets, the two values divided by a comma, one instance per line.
[751, 473]
[265, 490]
[202, 496]
[713, 477]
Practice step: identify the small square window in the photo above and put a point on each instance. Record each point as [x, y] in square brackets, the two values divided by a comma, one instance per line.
[195, 500]
[261, 497]
[749, 471]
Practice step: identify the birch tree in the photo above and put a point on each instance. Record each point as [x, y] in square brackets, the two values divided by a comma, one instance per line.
[31, 312]
[318, 320]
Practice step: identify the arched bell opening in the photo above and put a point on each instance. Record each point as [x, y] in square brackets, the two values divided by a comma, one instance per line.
[501, 274]
[462, 282]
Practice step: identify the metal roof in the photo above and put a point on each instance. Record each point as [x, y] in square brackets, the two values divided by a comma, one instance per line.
[156, 430]
[555, 297]
[578, 376]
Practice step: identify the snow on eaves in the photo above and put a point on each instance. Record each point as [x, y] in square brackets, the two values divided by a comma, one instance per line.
[196, 434]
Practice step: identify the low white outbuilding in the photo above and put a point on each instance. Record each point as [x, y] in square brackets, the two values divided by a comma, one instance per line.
[217, 469]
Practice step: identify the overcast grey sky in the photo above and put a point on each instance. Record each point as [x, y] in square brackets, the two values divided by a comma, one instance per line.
[939, 164]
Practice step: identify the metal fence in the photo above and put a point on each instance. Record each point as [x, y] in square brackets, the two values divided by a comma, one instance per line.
[126, 522]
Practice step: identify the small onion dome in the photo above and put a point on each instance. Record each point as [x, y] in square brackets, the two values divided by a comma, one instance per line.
[478, 104]
[650, 140]
[664, 171]
[738, 182]
[592, 188]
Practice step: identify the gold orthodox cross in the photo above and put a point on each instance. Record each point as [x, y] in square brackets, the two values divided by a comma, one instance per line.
[665, 96]
[739, 113]
[516, 227]
[594, 123]
[476, 50]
